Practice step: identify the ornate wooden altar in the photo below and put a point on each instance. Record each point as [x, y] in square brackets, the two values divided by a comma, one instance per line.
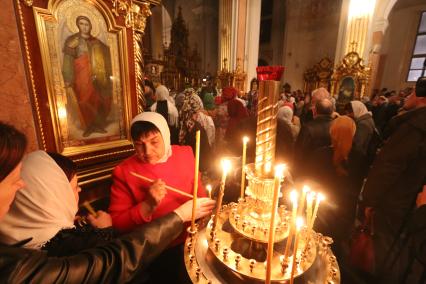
[236, 79]
[349, 80]
[318, 76]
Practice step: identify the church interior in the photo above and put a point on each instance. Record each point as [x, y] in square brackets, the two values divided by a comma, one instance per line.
[304, 122]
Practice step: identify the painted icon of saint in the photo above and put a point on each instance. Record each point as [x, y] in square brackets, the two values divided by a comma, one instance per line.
[87, 75]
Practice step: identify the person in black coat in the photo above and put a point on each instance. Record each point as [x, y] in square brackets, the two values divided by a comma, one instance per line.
[314, 134]
[118, 261]
[396, 175]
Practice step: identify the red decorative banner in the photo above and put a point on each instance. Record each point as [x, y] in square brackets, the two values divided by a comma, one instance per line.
[269, 73]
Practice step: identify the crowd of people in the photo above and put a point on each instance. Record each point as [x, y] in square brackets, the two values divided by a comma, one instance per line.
[369, 158]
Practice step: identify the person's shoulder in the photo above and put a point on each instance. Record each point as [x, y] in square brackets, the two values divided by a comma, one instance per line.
[182, 151]
[128, 162]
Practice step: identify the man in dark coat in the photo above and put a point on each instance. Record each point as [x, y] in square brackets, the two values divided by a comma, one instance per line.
[395, 178]
[314, 134]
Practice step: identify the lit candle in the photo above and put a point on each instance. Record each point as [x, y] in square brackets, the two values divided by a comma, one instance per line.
[243, 173]
[305, 190]
[197, 160]
[299, 224]
[293, 198]
[268, 167]
[226, 166]
[209, 190]
[309, 200]
[279, 169]
[320, 197]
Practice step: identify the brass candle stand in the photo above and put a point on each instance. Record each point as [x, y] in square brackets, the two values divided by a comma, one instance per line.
[233, 246]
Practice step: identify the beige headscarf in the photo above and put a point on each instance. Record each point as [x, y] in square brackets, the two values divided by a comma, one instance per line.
[359, 109]
[160, 122]
[43, 207]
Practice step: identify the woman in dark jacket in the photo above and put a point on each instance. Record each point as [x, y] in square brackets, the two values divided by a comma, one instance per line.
[118, 261]
[339, 170]
[365, 129]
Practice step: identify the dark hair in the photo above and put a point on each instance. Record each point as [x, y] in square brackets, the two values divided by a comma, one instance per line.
[12, 148]
[142, 128]
[324, 107]
[254, 80]
[149, 84]
[163, 109]
[65, 163]
[421, 87]
[348, 108]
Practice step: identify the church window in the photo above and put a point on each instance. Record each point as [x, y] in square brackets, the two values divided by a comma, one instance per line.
[418, 59]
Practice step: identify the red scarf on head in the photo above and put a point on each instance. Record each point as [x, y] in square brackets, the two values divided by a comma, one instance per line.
[229, 93]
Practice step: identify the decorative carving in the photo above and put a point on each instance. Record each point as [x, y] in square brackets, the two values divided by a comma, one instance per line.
[349, 80]
[240, 78]
[28, 3]
[31, 74]
[137, 47]
[181, 67]
[135, 15]
[318, 76]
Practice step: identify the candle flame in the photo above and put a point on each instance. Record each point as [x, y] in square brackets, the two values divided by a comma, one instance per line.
[306, 189]
[311, 195]
[321, 197]
[268, 167]
[245, 139]
[209, 188]
[279, 170]
[299, 223]
[293, 196]
[226, 165]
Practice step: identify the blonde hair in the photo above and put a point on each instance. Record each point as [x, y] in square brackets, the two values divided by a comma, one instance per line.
[342, 131]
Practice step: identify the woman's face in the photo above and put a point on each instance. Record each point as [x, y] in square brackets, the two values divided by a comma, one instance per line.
[150, 148]
[8, 188]
[75, 188]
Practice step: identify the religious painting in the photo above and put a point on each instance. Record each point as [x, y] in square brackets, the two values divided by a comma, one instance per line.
[346, 90]
[349, 80]
[84, 61]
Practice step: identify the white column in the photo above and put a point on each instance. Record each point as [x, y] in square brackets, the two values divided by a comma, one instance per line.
[251, 55]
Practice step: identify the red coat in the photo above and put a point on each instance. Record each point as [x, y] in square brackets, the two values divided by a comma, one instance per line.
[128, 191]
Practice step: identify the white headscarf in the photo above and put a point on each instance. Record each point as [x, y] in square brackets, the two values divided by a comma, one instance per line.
[285, 113]
[43, 207]
[160, 122]
[359, 109]
[162, 94]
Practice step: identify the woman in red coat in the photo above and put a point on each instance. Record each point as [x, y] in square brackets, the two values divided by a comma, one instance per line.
[135, 202]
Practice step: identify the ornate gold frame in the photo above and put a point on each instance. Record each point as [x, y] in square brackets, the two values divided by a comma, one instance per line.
[318, 76]
[353, 67]
[127, 19]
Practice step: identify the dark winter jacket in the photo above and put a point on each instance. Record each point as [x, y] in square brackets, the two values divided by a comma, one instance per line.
[118, 261]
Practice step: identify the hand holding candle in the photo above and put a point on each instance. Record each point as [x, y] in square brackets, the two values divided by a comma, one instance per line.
[243, 174]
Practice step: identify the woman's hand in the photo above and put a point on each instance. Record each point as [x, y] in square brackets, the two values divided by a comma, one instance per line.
[204, 207]
[156, 192]
[102, 220]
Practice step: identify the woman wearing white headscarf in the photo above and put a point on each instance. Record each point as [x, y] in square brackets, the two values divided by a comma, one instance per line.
[365, 127]
[42, 214]
[165, 105]
[285, 114]
[136, 202]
